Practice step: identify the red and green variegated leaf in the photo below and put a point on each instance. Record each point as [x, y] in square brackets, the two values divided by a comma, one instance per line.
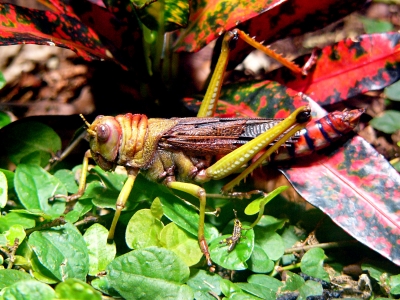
[267, 99]
[57, 6]
[125, 37]
[359, 190]
[29, 26]
[168, 15]
[348, 68]
[267, 20]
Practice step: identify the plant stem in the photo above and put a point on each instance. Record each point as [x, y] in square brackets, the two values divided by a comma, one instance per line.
[322, 246]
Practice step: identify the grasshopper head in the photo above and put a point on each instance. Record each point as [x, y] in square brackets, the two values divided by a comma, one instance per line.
[104, 139]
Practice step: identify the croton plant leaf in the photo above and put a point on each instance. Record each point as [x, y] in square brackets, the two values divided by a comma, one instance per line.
[29, 26]
[348, 68]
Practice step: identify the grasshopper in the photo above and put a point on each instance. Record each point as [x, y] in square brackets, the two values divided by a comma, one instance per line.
[178, 152]
[234, 239]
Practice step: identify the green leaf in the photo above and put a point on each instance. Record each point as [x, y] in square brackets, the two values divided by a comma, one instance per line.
[35, 186]
[104, 193]
[228, 287]
[262, 292]
[181, 243]
[2, 80]
[29, 290]
[4, 118]
[143, 230]
[156, 208]
[236, 259]
[291, 236]
[203, 282]
[15, 232]
[183, 215]
[393, 91]
[25, 137]
[395, 284]
[67, 177]
[77, 290]
[270, 242]
[10, 178]
[103, 284]
[9, 277]
[310, 288]
[259, 203]
[388, 122]
[14, 218]
[168, 14]
[151, 273]
[100, 252]
[3, 190]
[376, 26]
[259, 261]
[293, 282]
[62, 251]
[81, 207]
[264, 280]
[37, 270]
[312, 263]
[374, 271]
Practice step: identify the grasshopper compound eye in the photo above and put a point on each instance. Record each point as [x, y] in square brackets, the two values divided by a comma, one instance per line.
[103, 133]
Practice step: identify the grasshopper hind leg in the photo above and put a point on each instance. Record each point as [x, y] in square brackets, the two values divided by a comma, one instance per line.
[200, 194]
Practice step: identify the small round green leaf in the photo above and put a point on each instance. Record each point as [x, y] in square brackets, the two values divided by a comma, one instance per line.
[259, 203]
[228, 287]
[181, 243]
[293, 282]
[67, 177]
[77, 290]
[25, 137]
[270, 242]
[203, 283]
[312, 263]
[62, 251]
[236, 259]
[9, 277]
[393, 91]
[395, 284]
[388, 122]
[29, 290]
[259, 261]
[15, 232]
[151, 273]
[143, 230]
[14, 218]
[310, 288]
[156, 208]
[100, 252]
[35, 186]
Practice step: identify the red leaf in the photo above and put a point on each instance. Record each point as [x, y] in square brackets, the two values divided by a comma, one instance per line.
[348, 68]
[267, 20]
[358, 189]
[23, 25]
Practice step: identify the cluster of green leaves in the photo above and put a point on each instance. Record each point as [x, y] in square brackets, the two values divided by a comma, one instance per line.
[155, 251]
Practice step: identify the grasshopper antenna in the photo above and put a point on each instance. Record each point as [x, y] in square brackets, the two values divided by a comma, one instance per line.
[87, 124]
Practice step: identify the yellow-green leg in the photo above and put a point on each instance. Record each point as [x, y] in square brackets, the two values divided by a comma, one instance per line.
[82, 180]
[199, 193]
[122, 198]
